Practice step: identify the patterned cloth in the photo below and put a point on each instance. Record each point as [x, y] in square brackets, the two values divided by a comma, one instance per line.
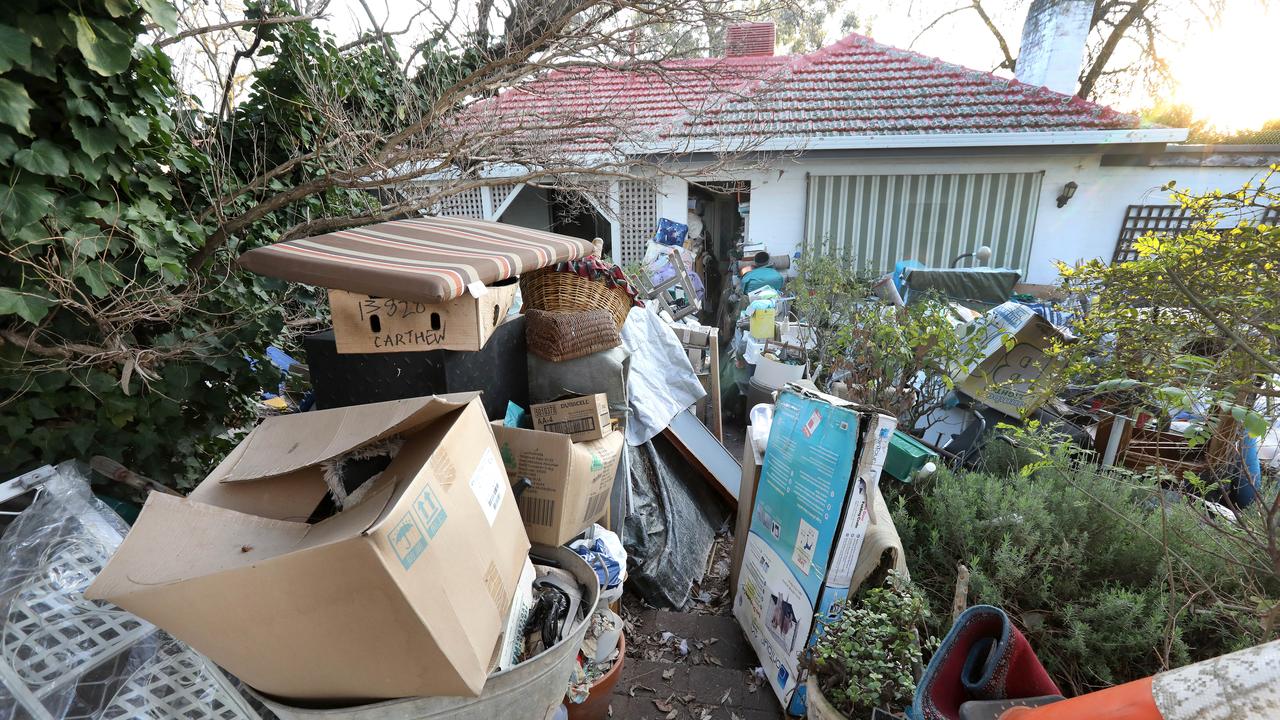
[593, 268]
[983, 657]
[427, 260]
[1244, 685]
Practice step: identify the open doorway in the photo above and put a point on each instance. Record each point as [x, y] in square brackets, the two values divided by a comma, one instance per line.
[719, 212]
[574, 215]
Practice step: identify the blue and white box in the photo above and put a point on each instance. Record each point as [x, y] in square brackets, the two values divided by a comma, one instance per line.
[808, 522]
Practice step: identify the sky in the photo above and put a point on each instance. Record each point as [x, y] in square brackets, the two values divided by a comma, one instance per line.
[1226, 72]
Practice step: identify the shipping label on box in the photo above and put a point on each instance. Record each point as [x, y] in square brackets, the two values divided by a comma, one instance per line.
[572, 481]
[367, 324]
[1013, 374]
[581, 418]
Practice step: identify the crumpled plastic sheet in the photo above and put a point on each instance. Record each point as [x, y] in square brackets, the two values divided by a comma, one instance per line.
[670, 526]
[63, 657]
[661, 382]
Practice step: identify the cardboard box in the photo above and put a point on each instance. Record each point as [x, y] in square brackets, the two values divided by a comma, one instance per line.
[1013, 374]
[572, 481]
[582, 418]
[697, 336]
[808, 521]
[404, 594]
[367, 324]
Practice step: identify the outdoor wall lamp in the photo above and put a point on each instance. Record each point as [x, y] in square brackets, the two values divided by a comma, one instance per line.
[1068, 192]
[982, 255]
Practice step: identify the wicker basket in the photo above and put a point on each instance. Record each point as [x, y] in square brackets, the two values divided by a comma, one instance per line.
[560, 336]
[547, 289]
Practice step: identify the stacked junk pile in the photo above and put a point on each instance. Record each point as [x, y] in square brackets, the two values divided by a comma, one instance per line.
[498, 434]
[503, 429]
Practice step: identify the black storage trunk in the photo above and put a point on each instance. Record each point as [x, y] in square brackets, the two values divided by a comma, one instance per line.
[499, 369]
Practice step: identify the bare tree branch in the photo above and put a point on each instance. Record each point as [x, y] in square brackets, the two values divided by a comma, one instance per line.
[247, 22]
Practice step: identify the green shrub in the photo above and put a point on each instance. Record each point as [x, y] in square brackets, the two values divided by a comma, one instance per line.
[1106, 587]
[868, 654]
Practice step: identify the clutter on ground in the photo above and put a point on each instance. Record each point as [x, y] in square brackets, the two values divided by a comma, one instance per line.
[521, 481]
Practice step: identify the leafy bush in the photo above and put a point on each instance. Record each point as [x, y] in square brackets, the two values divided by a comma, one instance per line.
[867, 656]
[1109, 579]
[879, 351]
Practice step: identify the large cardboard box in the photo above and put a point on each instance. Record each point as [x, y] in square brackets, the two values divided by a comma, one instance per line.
[404, 594]
[1013, 374]
[581, 418]
[572, 481]
[368, 324]
[808, 522]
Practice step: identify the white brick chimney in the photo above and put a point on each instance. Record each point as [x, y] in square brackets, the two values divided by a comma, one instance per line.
[1053, 39]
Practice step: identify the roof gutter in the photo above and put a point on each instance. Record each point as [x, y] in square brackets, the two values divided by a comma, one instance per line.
[906, 141]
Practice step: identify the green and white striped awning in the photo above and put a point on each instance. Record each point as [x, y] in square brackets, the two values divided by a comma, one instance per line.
[876, 220]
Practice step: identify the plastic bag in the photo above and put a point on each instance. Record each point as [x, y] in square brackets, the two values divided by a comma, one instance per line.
[64, 657]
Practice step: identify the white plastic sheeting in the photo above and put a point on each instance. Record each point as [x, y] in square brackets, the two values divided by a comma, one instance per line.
[661, 382]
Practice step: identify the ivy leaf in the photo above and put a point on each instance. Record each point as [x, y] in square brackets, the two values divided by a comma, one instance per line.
[95, 141]
[7, 148]
[15, 48]
[119, 8]
[28, 306]
[15, 106]
[98, 276]
[107, 49]
[43, 158]
[1253, 421]
[163, 13]
[23, 204]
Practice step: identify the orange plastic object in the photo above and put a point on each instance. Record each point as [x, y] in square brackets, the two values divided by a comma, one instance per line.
[1131, 701]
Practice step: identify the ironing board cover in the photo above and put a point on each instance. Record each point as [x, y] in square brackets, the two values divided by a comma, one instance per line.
[430, 259]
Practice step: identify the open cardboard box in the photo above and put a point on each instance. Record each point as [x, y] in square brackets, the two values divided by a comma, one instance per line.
[368, 324]
[404, 594]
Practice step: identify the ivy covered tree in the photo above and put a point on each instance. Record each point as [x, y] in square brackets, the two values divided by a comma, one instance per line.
[126, 330]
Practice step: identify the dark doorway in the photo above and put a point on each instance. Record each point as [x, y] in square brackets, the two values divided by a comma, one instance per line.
[575, 216]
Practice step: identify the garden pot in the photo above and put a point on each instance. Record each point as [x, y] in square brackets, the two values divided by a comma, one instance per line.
[818, 707]
[596, 706]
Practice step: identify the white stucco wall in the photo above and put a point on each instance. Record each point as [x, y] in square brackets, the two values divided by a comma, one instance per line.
[1087, 227]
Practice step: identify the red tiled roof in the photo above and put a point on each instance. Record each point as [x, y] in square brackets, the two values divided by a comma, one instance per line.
[853, 87]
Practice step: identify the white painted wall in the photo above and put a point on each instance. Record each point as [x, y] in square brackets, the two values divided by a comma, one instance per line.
[1086, 228]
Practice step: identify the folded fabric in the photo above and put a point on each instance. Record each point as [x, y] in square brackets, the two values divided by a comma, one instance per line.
[983, 657]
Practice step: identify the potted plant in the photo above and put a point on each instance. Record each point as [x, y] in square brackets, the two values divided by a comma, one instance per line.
[868, 655]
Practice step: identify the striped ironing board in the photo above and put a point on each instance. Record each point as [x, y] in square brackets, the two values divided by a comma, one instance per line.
[429, 260]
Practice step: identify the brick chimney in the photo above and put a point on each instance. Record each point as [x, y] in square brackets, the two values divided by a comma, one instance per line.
[750, 39]
[1053, 39]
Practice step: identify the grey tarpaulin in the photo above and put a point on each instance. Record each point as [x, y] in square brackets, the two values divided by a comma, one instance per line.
[670, 526]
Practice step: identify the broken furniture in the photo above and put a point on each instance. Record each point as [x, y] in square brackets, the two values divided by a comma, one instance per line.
[702, 345]
[668, 283]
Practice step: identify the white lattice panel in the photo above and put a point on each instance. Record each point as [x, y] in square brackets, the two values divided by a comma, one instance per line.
[51, 632]
[177, 683]
[468, 204]
[501, 193]
[638, 216]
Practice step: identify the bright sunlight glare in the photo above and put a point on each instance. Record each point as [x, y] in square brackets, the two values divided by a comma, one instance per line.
[1225, 73]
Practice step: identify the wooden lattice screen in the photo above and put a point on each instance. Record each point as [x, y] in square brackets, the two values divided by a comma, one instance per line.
[1140, 220]
[638, 218]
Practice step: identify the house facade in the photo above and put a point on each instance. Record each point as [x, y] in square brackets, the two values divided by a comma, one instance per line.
[878, 154]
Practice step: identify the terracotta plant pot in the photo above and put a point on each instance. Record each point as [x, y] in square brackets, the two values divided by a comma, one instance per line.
[596, 706]
[818, 707]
